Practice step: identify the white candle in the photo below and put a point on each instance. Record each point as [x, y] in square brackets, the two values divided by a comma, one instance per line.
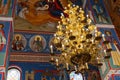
[103, 36]
[54, 35]
[87, 16]
[65, 54]
[105, 52]
[63, 47]
[86, 64]
[62, 14]
[51, 48]
[109, 46]
[75, 68]
[92, 41]
[67, 66]
[57, 62]
[81, 46]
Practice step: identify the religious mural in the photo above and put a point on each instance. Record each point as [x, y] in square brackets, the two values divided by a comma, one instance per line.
[7, 7]
[2, 37]
[37, 43]
[113, 8]
[99, 12]
[19, 42]
[52, 45]
[41, 15]
[93, 75]
[110, 35]
[33, 42]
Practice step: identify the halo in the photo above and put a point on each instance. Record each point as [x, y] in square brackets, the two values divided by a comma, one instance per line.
[37, 37]
[17, 35]
[1, 25]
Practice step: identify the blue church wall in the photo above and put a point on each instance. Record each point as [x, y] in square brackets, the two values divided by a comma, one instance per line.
[116, 77]
[6, 30]
[39, 69]
[110, 35]
[99, 12]
[0, 76]
[5, 40]
[49, 71]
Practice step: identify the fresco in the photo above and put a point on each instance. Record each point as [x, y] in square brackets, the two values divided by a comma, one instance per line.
[7, 8]
[38, 71]
[19, 42]
[40, 15]
[47, 71]
[4, 38]
[37, 43]
[32, 42]
[99, 12]
[93, 75]
[110, 35]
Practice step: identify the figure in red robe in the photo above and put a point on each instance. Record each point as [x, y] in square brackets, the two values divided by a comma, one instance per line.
[2, 37]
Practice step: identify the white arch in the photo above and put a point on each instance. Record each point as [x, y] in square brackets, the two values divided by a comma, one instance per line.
[13, 74]
[74, 76]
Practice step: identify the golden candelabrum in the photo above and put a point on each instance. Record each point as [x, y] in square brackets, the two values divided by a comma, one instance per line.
[79, 41]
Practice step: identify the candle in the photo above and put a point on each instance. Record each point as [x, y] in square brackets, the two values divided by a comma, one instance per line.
[75, 68]
[87, 16]
[109, 46]
[92, 41]
[54, 35]
[86, 64]
[105, 52]
[65, 54]
[67, 66]
[51, 48]
[57, 62]
[81, 46]
[103, 36]
[63, 47]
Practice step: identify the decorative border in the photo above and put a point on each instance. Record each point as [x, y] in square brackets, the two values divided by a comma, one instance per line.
[23, 57]
[105, 26]
[35, 32]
